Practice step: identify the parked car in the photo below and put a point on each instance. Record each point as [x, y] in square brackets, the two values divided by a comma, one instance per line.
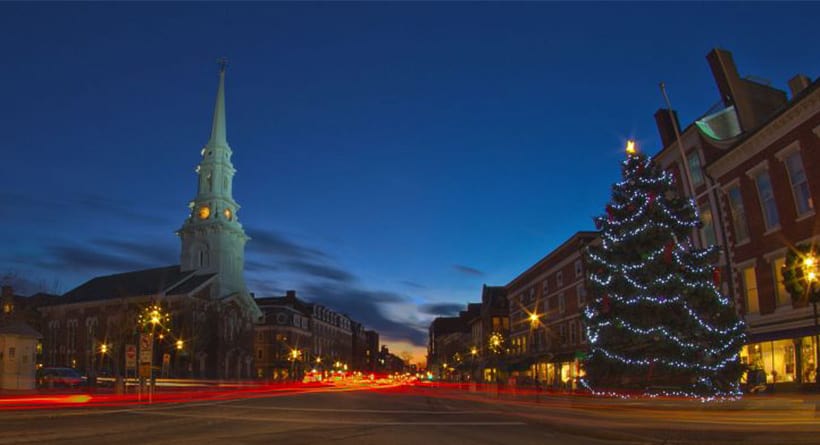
[59, 378]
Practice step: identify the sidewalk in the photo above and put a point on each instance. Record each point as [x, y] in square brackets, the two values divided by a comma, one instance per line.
[790, 401]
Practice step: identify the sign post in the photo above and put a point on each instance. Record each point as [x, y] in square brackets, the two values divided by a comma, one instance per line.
[146, 357]
[130, 358]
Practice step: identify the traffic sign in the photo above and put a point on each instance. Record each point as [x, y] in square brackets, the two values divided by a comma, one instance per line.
[146, 349]
[130, 356]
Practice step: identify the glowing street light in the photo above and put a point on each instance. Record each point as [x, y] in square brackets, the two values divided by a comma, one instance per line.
[810, 272]
[104, 348]
[809, 268]
[630, 147]
[179, 344]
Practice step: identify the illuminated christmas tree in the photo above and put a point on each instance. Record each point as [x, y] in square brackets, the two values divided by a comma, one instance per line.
[657, 320]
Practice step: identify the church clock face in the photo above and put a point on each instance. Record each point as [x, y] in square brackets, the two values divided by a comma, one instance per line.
[228, 214]
[204, 212]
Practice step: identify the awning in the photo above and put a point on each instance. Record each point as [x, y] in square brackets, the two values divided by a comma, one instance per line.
[786, 334]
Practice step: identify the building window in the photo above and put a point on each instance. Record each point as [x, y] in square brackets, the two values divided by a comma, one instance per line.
[581, 290]
[572, 332]
[708, 230]
[562, 333]
[750, 287]
[545, 288]
[259, 354]
[767, 202]
[694, 168]
[578, 269]
[800, 185]
[559, 279]
[738, 214]
[783, 296]
[562, 304]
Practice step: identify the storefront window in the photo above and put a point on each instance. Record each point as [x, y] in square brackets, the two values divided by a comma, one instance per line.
[779, 359]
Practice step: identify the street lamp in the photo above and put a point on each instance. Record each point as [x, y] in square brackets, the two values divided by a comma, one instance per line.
[810, 273]
[800, 278]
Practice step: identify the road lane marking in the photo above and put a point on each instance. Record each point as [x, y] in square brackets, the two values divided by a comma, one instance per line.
[325, 421]
[367, 411]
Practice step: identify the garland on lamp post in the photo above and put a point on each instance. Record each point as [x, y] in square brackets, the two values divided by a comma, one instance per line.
[800, 275]
[800, 278]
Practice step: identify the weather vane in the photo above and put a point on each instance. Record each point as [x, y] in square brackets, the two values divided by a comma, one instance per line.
[222, 62]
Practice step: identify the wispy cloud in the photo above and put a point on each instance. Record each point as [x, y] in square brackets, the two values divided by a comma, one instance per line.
[268, 242]
[159, 254]
[467, 270]
[445, 309]
[321, 271]
[85, 205]
[412, 284]
[365, 306]
[89, 259]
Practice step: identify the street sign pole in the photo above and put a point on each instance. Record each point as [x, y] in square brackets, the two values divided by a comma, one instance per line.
[146, 356]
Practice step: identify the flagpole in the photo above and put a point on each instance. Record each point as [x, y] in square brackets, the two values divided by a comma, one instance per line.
[684, 161]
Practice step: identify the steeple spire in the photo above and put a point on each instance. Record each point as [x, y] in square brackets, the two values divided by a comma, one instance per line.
[218, 131]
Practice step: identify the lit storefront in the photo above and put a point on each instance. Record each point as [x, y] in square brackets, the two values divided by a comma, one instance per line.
[783, 360]
[558, 374]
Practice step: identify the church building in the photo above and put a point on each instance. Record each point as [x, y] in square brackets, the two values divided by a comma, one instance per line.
[203, 313]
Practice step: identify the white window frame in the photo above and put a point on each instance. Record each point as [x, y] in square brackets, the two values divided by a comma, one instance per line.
[695, 154]
[733, 212]
[579, 269]
[783, 156]
[754, 174]
[559, 279]
[744, 286]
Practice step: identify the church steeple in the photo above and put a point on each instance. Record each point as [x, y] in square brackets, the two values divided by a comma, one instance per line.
[218, 130]
[213, 240]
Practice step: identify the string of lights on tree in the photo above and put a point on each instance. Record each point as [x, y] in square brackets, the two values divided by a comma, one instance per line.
[657, 317]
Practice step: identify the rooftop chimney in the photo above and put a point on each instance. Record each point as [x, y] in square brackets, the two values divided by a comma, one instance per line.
[754, 101]
[798, 83]
[666, 119]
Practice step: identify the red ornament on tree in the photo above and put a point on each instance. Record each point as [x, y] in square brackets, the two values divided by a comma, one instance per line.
[605, 304]
[716, 276]
[650, 198]
[667, 252]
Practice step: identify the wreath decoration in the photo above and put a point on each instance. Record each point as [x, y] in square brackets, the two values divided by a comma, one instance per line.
[794, 279]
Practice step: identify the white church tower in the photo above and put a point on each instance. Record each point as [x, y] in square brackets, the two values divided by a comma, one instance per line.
[213, 240]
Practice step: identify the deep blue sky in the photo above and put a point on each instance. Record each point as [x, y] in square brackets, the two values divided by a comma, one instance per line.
[391, 157]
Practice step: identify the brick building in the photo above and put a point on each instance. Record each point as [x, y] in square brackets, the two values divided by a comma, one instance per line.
[752, 162]
[547, 336]
[768, 182]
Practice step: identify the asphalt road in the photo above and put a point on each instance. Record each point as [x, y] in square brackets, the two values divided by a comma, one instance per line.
[408, 415]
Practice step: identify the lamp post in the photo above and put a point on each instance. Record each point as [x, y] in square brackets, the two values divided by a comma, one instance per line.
[473, 354]
[535, 320]
[294, 355]
[811, 275]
